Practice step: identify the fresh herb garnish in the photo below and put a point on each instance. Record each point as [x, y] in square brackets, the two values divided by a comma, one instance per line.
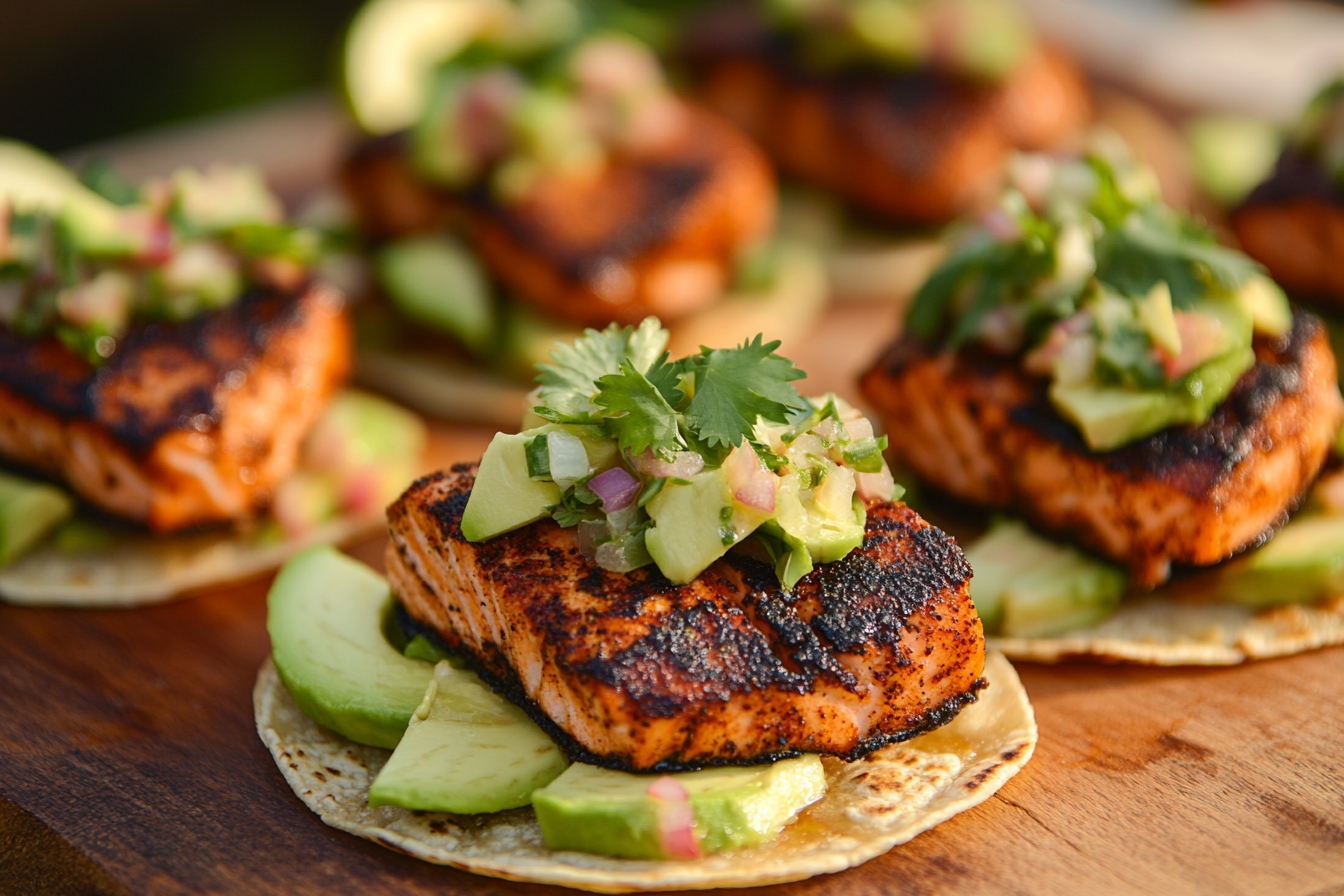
[574, 504]
[621, 379]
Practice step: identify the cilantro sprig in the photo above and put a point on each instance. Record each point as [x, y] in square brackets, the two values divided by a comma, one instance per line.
[621, 379]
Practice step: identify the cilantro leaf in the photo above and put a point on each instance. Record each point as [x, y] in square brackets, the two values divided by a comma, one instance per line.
[569, 382]
[735, 386]
[638, 412]
[574, 504]
[1148, 250]
[666, 378]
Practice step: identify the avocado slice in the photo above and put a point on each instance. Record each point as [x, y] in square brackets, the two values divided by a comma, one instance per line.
[1304, 562]
[325, 616]
[29, 511]
[696, 523]
[1025, 586]
[437, 281]
[606, 812]
[467, 750]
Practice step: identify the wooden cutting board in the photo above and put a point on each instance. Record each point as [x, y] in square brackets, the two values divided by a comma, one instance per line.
[129, 762]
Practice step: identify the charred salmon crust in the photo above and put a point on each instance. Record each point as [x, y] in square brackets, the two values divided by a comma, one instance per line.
[187, 423]
[920, 145]
[1293, 224]
[633, 672]
[983, 431]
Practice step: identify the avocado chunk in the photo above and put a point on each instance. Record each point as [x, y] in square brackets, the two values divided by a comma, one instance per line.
[827, 537]
[437, 281]
[606, 812]
[29, 511]
[696, 523]
[506, 497]
[325, 615]
[1304, 562]
[1109, 417]
[467, 750]
[1025, 586]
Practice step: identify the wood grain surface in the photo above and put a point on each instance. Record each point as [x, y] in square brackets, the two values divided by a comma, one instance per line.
[129, 762]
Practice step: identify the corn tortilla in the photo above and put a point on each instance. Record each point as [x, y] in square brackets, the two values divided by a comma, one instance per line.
[871, 805]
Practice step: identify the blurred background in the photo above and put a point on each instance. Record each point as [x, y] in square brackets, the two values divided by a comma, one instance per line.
[80, 71]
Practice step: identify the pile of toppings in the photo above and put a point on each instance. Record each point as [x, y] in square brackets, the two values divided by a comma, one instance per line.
[1320, 133]
[1084, 275]
[544, 89]
[164, 250]
[727, 425]
[984, 40]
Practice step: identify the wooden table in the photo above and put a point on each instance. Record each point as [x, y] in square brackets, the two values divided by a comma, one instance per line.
[129, 762]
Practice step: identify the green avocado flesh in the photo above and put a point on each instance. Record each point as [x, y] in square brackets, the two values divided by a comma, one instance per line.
[325, 614]
[826, 537]
[695, 524]
[597, 810]
[467, 750]
[29, 511]
[505, 497]
[1027, 587]
[1109, 417]
[437, 281]
[1304, 562]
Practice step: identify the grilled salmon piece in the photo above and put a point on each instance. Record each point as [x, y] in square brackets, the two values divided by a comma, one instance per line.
[630, 671]
[920, 146]
[1293, 224]
[187, 423]
[982, 430]
[654, 233]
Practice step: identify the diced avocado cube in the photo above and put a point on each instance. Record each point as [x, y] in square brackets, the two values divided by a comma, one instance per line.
[1159, 319]
[325, 615]
[606, 812]
[827, 537]
[438, 281]
[1304, 562]
[1267, 304]
[695, 524]
[29, 511]
[467, 750]
[505, 497]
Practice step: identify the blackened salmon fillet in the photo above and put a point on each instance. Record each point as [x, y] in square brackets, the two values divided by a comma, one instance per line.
[982, 430]
[655, 233]
[630, 671]
[920, 145]
[187, 423]
[1293, 224]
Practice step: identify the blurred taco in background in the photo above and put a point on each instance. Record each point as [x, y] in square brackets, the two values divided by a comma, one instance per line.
[169, 362]
[547, 178]
[1293, 222]
[1093, 361]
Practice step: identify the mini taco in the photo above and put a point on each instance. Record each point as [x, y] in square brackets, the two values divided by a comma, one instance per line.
[169, 361]
[548, 179]
[675, 619]
[1092, 361]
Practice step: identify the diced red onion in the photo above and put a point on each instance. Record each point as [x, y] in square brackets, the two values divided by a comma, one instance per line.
[752, 484]
[676, 819]
[683, 465]
[588, 532]
[1002, 227]
[617, 488]
[361, 493]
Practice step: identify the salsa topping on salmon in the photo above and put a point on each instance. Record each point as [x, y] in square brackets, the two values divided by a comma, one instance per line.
[1131, 310]
[673, 463]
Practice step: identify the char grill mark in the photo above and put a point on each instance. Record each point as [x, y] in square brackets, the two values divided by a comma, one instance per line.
[162, 377]
[637, 672]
